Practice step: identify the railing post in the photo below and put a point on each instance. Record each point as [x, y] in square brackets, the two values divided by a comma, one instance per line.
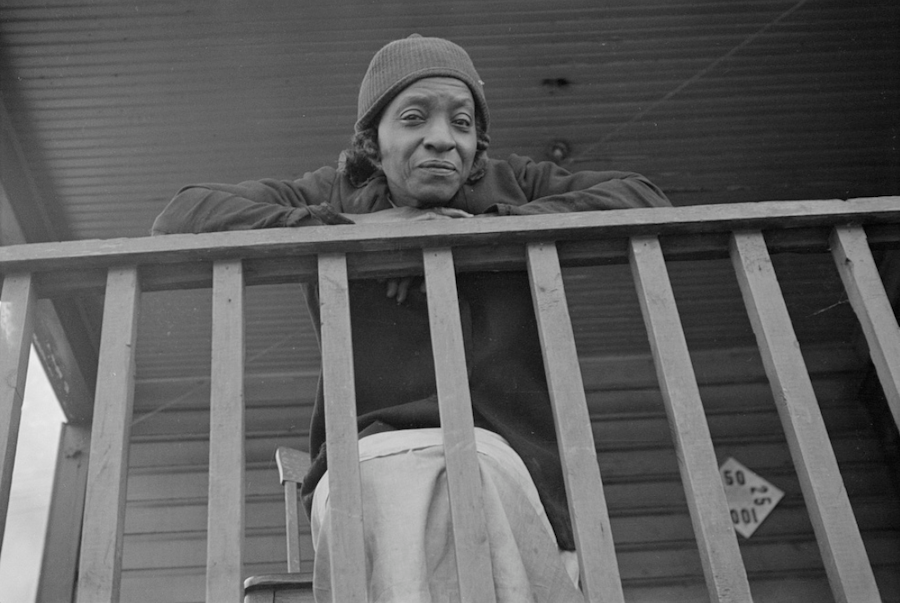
[840, 543]
[16, 329]
[99, 572]
[473, 558]
[726, 577]
[225, 520]
[600, 579]
[870, 302]
[348, 576]
[60, 561]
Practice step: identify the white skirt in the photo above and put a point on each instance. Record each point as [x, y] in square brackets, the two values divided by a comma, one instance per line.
[409, 540]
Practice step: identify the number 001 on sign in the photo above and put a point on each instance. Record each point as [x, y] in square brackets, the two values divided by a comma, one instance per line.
[750, 497]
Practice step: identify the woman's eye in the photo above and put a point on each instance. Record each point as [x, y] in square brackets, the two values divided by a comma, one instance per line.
[411, 117]
[463, 122]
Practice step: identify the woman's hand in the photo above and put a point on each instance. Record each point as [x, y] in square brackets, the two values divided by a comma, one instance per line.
[398, 288]
[407, 214]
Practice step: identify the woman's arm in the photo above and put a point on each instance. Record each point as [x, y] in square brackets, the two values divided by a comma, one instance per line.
[250, 205]
[552, 189]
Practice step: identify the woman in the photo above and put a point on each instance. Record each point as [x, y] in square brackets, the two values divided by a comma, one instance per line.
[419, 153]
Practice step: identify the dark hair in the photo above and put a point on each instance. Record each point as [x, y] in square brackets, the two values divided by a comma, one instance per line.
[360, 160]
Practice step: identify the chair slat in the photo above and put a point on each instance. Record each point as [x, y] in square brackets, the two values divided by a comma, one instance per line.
[463, 474]
[348, 580]
[225, 518]
[292, 464]
[846, 562]
[99, 572]
[867, 296]
[16, 328]
[726, 577]
[292, 526]
[292, 468]
[600, 579]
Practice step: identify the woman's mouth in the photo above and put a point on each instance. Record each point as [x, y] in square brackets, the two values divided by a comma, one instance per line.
[438, 167]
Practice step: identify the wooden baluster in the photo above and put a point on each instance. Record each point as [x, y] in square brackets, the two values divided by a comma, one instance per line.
[473, 558]
[726, 577]
[16, 329]
[225, 519]
[600, 579]
[867, 296]
[840, 543]
[99, 571]
[348, 578]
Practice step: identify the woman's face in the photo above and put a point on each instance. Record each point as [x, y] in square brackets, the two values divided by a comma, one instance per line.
[427, 141]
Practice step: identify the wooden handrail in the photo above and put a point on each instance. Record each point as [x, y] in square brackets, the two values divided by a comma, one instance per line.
[380, 250]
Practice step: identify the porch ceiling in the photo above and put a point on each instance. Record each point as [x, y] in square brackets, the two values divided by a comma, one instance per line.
[116, 105]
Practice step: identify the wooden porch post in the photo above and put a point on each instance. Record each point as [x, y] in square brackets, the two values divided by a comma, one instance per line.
[16, 328]
[60, 561]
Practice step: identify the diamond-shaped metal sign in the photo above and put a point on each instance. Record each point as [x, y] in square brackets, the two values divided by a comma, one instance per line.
[750, 497]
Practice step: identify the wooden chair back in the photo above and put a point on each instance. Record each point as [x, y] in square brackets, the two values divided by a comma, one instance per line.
[292, 467]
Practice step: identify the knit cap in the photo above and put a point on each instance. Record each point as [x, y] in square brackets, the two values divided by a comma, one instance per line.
[402, 62]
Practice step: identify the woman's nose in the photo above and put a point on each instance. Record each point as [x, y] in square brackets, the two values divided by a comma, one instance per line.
[440, 136]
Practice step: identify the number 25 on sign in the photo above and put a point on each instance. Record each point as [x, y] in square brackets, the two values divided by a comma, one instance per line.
[750, 497]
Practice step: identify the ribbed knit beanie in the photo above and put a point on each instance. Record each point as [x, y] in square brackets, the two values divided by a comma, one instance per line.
[402, 62]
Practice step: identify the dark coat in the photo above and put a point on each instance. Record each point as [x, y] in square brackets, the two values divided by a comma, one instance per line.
[393, 363]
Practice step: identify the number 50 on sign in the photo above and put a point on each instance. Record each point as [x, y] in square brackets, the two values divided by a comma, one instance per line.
[750, 497]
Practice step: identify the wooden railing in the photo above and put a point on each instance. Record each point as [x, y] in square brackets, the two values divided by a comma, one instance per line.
[646, 239]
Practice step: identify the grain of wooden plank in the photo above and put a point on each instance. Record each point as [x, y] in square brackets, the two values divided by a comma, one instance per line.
[726, 577]
[225, 523]
[867, 296]
[600, 580]
[99, 568]
[60, 559]
[16, 328]
[348, 579]
[841, 546]
[473, 559]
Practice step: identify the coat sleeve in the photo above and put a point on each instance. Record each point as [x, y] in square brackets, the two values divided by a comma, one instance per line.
[250, 205]
[552, 189]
